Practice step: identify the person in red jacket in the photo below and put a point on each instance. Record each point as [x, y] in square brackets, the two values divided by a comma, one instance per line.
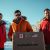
[19, 24]
[45, 27]
[2, 33]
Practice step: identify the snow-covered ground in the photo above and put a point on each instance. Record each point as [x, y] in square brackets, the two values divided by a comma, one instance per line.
[8, 45]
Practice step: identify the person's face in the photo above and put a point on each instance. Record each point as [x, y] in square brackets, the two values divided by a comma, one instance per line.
[17, 15]
[0, 17]
[47, 14]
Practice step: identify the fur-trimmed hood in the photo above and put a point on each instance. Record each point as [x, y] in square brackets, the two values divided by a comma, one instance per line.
[19, 19]
[2, 22]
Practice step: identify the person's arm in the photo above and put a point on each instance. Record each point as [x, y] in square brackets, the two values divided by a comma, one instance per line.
[40, 27]
[29, 28]
[10, 33]
[4, 33]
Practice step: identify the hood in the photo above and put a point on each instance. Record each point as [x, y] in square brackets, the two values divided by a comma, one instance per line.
[45, 19]
[24, 17]
[2, 22]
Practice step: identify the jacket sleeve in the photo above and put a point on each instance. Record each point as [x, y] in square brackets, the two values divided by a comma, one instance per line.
[40, 28]
[29, 28]
[10, 33]
[4, 31]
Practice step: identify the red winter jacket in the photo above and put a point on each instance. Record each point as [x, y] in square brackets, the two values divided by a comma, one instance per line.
[45, 28]
[2, 34]
[22, 26]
